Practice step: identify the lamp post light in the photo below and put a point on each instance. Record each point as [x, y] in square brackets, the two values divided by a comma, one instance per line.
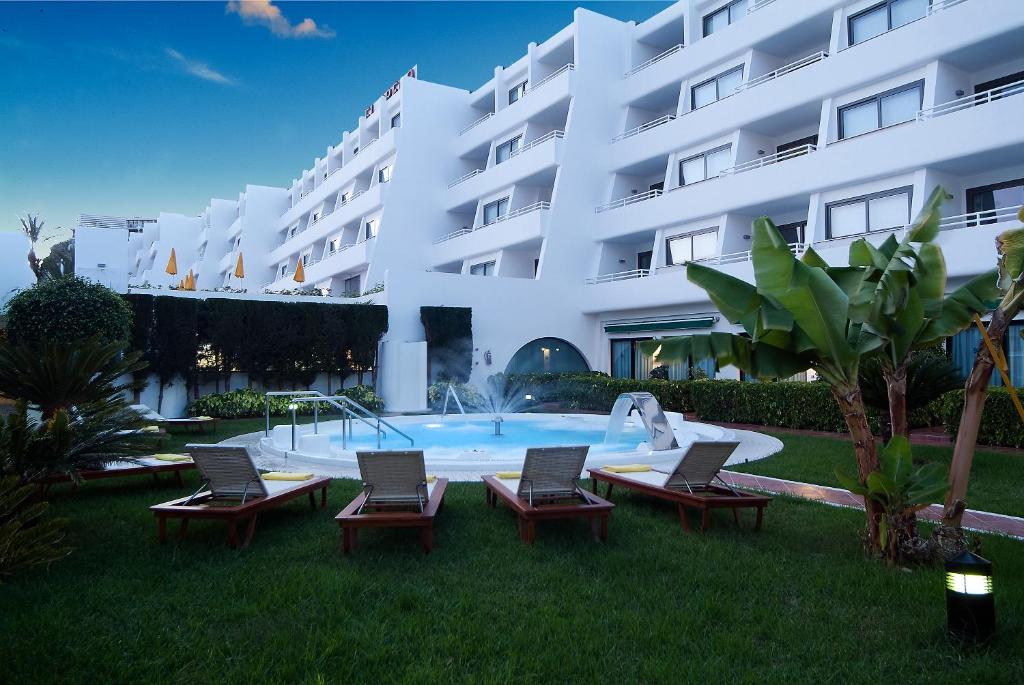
[292, 407]
[970, 604]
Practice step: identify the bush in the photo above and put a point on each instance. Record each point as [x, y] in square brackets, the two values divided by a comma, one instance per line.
[1000, 425]
[597, 391]
[27, 537]
[249, 403]
[68, 310]
[469, 396]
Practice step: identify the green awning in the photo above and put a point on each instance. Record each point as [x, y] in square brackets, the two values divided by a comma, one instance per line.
[640, 327]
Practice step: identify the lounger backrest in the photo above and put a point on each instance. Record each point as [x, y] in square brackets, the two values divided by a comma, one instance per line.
[397, 476]
[228, 470]
[700, 464]
[551, 471]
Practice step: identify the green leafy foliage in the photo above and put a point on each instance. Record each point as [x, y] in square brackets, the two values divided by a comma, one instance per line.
[449, 334]
[249, 403]
[597, 391]
[468, 395]
[930, 375]
[1000, 425]
[67, 310]
[27, 537]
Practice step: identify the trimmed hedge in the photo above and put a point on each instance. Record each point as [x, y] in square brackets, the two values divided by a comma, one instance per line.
[1000, 425]
[449, 334]
[249, 403]
[597, 392]
[68, 310]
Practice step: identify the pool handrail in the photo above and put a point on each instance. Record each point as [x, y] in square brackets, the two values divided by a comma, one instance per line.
[339, 402]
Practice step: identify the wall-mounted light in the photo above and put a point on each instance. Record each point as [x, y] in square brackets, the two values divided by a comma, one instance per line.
[101, 265]
[970, 604]
[761, 152]
[959, 93]
[746, 236]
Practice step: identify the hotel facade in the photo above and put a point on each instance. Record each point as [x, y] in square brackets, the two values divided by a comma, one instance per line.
[562, 199]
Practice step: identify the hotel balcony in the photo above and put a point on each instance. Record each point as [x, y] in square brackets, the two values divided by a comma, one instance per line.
[347, 258]
[519, 228]
[531, 164]
[359, 205]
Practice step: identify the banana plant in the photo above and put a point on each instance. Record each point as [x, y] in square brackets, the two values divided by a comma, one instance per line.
[899, 491]
[1010, 255]
[901, 299]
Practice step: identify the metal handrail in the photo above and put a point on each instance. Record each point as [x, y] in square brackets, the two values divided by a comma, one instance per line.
[968, 101]
[465, 177]
[536, 206]
[553, 75]
[553, 135]
[337, 401]
[644, 127]
[654, 60]
[477, 122]
[619, 276]
[768, 160]
[623, 201]
[783, 70]
[984, 217]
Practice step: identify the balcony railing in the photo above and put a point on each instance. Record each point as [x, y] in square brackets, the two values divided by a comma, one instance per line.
[477, 122]
[550, 77]
[535, 207]
[304, 194]
[939, 5]
[465, 177]
[553, 135]
[985, 217]
[783, 70]
[339, 203]
[644, 127]
[754, 6]
[654, 60]
[619, 276]
[623, 201]
[769, 160]
[968, 101]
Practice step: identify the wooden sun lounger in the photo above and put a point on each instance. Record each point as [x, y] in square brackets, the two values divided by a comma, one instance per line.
[591, 507]
[705, 498]
[205, 506]
[146, 466]
[351, 519]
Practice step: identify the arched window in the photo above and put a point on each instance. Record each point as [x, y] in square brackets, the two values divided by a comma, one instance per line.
[547, 355]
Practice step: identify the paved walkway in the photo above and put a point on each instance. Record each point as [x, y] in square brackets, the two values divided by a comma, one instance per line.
[981, 521]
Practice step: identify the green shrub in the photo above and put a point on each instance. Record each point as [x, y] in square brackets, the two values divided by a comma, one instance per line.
[68, 310]
[468, 395]
[1000, 425]
[27, 537]
[249, 403]
[597, 391]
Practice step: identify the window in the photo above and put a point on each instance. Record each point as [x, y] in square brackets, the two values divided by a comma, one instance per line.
[643, 259]
[884, 17]
[333, 246]
[628, 360]
[998, 85]
[482, 269]
[371, 228]
[355, 151]
[704, 166]
[996, 196]
[723, 16]
[691, 247]
[516, 92]
[345, 197]
[799, 143]
[660, 185]
[317, 214]
[878, 111]
[396, 121]
[876, 212]
[305, 259]
[793, 232]
[238, 241]
[714, 89]
[505, 151]
[351, 286]
[283, 270]
[547, 355]
[495, 210]
[384, 174]
[293, 230]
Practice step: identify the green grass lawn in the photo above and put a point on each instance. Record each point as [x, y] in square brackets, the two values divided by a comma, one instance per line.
[995, 484]
[795, 602]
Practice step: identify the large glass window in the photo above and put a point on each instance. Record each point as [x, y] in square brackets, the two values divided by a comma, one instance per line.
[396, 121]
[505, 151]
[690, 247]
[516, 92]
[883, 17]
[384, 174]
[723, 16]
[547, 355]
[876, 212]
[629, 360]
[716, 88]
[350, 286]
[885, 109]
[993, 197]
[495, 210]
[482, 269]
[372, 227]
[705, 165]
[793, 232]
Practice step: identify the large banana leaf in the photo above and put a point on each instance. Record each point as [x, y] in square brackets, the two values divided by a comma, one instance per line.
[758, 359]
[976, 296]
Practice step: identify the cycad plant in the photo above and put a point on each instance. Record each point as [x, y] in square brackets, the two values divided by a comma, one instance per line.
[929, 375]
[27, 538]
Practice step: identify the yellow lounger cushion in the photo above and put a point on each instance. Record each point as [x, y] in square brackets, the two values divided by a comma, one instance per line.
[150, 429]
[172, 457]
[204, 418]
[627, 468]
[509, 475]
[431, 479]
[282, 475]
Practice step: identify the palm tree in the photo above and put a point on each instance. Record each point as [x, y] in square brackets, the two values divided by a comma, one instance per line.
[32, 226]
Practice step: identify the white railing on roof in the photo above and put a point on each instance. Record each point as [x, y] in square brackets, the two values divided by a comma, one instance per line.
[939, 5]
[984, 217]
[968, 101]
[758, 4]
[768, 160]
[477, 122]
[619, 276]
[465, 177]
[550, 77]
[553, 135]
[654, 60]
[623, 201]
[783, 70]
[644, 127]
[536, 206]
[101, 221]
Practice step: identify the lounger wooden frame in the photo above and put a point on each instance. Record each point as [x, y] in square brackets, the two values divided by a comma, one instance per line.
[172, 467]
[703, 499]
[205, 506]
[591, 507]
[356, 516]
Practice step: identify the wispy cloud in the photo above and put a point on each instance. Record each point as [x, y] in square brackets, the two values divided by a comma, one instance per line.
[266, 13]
[198, 69]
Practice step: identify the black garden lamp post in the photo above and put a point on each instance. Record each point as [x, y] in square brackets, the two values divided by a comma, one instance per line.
[970, 604]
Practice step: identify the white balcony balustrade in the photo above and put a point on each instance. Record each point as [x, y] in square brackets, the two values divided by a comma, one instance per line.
[619, 276]
[477, 123]
[465, 177]
[783, 70]
[644, 127]
[532, 88]
[553, 135]
[623, 201]
[988, 216]
[768, 160]
[969, 101]
[535, 207]
[759, 4]
[654, 60]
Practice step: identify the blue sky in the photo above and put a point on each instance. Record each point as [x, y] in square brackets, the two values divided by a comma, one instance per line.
[135, 108]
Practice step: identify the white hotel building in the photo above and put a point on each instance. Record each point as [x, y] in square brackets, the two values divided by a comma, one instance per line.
[561, 199]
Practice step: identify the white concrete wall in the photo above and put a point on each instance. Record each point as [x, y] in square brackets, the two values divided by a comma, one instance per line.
[15, 272]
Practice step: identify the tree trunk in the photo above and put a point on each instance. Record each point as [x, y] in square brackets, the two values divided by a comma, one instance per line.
[160, 398]
[329, 383]
[851, 404]
[896, 386]
[975, 392]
